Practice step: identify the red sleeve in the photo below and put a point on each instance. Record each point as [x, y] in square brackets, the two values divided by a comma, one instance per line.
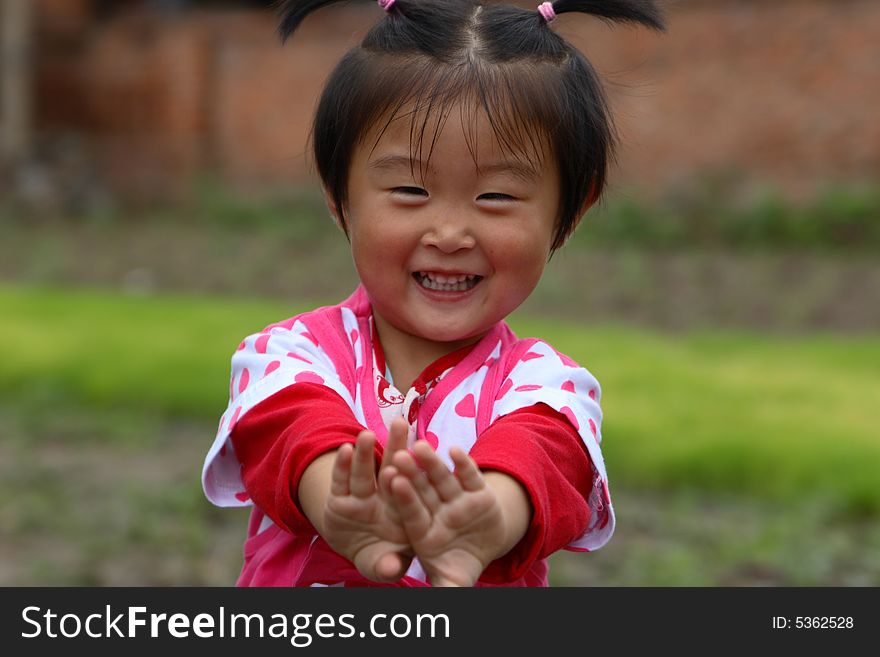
[278, 438]
[542, 450]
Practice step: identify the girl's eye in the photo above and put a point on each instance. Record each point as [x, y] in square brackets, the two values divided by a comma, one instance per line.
[410, 191]
[496, 197]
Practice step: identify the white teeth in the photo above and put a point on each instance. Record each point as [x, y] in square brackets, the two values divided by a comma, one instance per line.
[443, 278]
[444, 283]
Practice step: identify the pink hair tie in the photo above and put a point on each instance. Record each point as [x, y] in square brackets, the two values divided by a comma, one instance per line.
[545, 9]
[386, 4]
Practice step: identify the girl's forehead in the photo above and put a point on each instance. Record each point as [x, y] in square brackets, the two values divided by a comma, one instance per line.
[418, 131]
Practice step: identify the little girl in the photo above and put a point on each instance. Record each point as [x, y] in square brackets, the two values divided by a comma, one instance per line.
[406, 436]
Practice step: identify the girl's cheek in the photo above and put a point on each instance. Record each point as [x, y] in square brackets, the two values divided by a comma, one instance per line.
[508, 239]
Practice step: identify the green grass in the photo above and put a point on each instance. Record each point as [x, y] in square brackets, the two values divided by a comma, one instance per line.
[776, 417]
[168, 355]
[783, 417]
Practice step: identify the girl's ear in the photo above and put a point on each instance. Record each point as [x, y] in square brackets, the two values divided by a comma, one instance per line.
[592, 197]
[331, 205]
[334, 209]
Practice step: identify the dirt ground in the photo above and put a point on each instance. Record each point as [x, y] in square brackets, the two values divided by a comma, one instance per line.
[114, 500]
[667, 290]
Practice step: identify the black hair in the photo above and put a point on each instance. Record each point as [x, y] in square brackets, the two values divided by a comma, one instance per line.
[536, 89]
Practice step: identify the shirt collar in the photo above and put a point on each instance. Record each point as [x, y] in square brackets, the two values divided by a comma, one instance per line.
[431, 374]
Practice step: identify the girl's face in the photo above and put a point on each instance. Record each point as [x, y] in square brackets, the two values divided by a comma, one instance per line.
[445, 257]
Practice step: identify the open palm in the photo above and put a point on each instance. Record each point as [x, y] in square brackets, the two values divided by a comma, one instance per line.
[360, 522]
[453, 521]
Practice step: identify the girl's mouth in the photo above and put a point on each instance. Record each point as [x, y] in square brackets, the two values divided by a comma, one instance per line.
[446, 282]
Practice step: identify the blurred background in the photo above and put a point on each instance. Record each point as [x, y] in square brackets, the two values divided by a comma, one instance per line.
[157, 203]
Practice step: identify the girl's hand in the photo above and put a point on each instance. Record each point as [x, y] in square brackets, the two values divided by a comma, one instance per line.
[360, 522]
[454, 521]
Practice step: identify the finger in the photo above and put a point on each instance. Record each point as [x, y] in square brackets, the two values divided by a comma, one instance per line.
[341, 471]
[414, 515]
[362, 481]
[407, 467]
[444, 482]
[397, 434]
[466, 471]
[386, 475]
[406, 463]
[428, 494]
[391, 566]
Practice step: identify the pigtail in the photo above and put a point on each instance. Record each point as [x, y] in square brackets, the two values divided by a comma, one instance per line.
[293, 12]
[644, 12]
[420, 32]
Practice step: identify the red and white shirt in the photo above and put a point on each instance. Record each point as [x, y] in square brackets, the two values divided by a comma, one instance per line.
[305, 386]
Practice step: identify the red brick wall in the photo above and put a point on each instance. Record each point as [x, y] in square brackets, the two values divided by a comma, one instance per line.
[782, 93]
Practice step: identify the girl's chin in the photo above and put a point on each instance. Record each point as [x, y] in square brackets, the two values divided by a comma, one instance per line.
[449, 336]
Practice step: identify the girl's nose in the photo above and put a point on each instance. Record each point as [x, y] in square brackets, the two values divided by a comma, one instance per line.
[449, 236]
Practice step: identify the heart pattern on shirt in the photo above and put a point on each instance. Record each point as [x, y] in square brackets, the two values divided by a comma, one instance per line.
[432, 439]
[291, 354]
[261, 342]
[466, 407]
[567, 412]
[308, 377]
[505, 387]
[243, 380]
[234, 418]
[310, 337]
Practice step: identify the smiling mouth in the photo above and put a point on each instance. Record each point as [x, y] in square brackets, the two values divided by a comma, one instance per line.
[446, 283]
